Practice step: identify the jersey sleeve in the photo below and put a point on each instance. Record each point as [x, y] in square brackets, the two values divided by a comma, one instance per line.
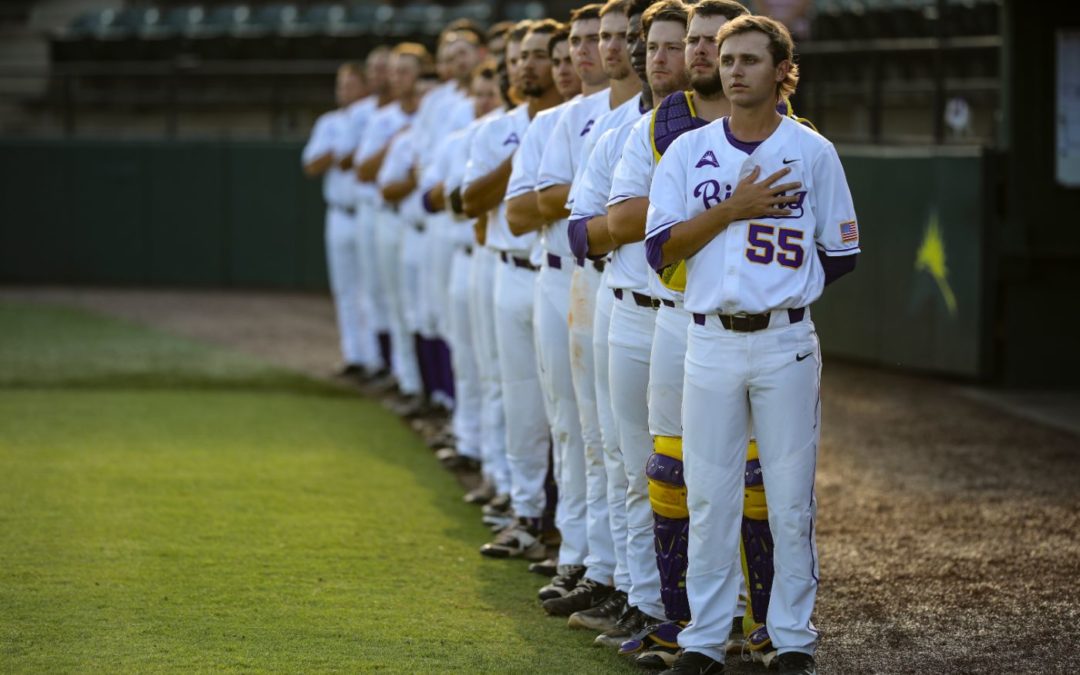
[591, 189]
[556, 167]
[481, 155]
[667, 195]
[836, 230]
[321, 141]
[398, 160]
[633, 172]
[526, 160]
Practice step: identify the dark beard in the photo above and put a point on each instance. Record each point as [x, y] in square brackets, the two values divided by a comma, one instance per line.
[708, 86]
[533, 91]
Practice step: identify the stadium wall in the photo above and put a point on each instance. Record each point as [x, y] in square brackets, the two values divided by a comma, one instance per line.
[240, 214]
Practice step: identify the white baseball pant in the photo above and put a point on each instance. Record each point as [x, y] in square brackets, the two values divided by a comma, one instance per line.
[528, 438]
[492, 411]
[630, 343]
[776, 374]
[374, 301]
[388, 243]
[600, 562]
[552, 309]
[613, 462]
[342, 262]
[467, 385]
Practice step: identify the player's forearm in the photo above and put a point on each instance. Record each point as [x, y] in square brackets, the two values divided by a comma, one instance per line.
[346, 162]
[486, 192]
[689, 237]
[626, 220]
[435, 199]
[319, 165]
[552, 202]
[523, 215]
[480, 229]
[395, 191]
[368, 170]
[600, 241]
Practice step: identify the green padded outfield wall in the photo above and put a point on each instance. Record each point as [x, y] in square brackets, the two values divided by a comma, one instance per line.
[240, 214]
[208, 214]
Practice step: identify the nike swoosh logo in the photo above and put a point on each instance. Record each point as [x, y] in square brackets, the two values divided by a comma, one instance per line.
[803, 357]
[789, 161]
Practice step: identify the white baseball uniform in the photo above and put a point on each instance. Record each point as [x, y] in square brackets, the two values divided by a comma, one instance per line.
[550, 306]
[332, 134]
[557, 166]
[762, 266]
[389, 120]
[527, 433]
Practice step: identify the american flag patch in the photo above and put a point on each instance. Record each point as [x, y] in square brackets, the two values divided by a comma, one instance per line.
[849, 232]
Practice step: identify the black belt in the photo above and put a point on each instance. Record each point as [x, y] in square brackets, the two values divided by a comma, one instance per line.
[468, 250]
[640, 299]
[598, 265]
[668, 303]
[749, 323]
[554, 261]
[349, 210]
[419, 226]
[523, 263]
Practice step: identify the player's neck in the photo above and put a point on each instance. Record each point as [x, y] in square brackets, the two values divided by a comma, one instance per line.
[710, 108]
[753, 124]
[623, 90]
[409, 103]
[550, 98]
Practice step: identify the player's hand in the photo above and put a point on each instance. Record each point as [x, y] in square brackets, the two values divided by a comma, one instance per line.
[755, 199]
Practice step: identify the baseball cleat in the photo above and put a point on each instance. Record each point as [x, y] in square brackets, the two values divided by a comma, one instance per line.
[586, 594]
[516, 541]
[630, 623]
[481, 494]
[694, 663]
[602, 614]
[796, 663]
[656, 646]
[736, 641]
[545, 568]
[562, 583]
[758, 647]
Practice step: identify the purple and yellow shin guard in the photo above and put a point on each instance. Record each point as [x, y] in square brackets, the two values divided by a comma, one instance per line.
[757, 554]
[671, 524]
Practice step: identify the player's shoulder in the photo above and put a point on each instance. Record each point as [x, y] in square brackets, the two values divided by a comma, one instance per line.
[701, 138]
[809, 140]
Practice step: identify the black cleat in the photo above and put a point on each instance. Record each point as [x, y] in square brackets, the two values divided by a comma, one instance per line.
[796, 663]
[694, 663]
[586, 594]
[632, 621]
[562, 583]
[600, 616]
[545, 568]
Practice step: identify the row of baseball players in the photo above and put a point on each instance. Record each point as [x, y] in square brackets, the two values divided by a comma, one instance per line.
[616, 250]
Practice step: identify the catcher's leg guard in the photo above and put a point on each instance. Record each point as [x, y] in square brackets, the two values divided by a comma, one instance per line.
[671, 523]
[757, 555]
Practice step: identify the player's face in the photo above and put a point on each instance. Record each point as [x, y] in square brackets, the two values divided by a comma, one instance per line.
[702, 56]
[585, 51]
[485, 93]
[747, 70]
[635, 46]
[513, 64]
[463, 57]
[536, 77]
[406, 71]
[376, 68]
[665, 48]
[562, 71]
[348, 89]
[613, 55]
[442, 63]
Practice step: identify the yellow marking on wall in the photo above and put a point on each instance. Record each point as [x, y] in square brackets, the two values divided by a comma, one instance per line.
[931, 258]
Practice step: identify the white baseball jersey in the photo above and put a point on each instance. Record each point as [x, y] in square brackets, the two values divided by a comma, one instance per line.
[563, 152]
[526, 171]
[325, 135]
[493, 143]
[385, 122]
[761, 264]
[400, 159]
[626, 113]
[447, 162]
[357, 116]
[443, 110]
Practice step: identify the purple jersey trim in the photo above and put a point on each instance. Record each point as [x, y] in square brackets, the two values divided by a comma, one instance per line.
[654, 249]
[748, 148]
[579, 236]
[836, 266]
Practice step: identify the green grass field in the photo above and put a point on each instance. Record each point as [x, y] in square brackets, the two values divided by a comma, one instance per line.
[169, 506]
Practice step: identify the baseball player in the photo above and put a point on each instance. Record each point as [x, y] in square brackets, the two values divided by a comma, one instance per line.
[486, 176]
[407, 61]
[440, 178]
[758, 252]
[523, 217]
[323, 155]
[605, 572]
[629, 336]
